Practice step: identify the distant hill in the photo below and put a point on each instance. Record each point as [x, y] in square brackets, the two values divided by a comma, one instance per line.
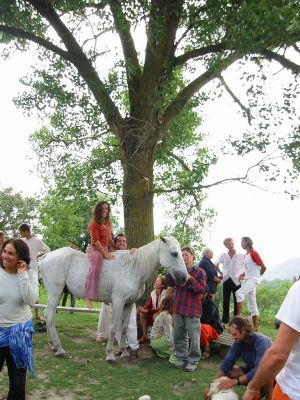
[287, 270]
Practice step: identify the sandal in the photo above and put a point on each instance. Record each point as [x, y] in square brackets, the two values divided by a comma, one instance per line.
[133, 354]
[205, 354]
[144, 339]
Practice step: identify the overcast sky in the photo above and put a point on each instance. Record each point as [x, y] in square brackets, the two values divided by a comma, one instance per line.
[271, 219]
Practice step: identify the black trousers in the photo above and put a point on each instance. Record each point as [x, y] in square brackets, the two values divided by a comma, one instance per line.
[17, 376]
[229, 287]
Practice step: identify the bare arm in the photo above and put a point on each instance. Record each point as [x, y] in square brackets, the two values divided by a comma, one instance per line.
[262, 269]
[217, 280]
[111, 243]
[273, 360]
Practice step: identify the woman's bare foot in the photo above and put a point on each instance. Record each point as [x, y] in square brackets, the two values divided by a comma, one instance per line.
[89, 304]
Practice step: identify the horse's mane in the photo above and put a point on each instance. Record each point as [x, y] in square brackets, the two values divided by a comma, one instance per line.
[145, 257]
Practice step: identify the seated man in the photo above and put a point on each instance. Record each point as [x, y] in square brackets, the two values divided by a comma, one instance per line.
[211, 326]
[250, 347]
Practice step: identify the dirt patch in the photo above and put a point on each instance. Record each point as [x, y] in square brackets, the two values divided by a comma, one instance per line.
[50, 395]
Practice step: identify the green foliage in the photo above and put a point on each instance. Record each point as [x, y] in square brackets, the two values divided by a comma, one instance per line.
[270, 295]
[65, 217]
[16, 209]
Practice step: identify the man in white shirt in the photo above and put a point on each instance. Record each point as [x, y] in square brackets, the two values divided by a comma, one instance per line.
[282, 359]
[36, 248]
[254, 268]
[104, 318]
[232, 267]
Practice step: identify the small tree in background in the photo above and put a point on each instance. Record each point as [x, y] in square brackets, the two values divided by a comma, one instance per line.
[16, 209]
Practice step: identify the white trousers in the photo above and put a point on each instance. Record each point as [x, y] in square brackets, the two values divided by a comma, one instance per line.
[248, 291]
[104, 326]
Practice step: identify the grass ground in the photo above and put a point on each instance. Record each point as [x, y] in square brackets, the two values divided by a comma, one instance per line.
[85, 375]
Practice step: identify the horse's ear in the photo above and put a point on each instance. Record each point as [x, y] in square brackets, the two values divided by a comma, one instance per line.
[163, 239]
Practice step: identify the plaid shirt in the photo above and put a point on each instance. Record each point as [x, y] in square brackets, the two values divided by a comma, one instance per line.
[188, 297]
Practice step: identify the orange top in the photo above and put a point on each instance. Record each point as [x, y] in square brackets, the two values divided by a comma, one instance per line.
[99, 233]
[278, 394]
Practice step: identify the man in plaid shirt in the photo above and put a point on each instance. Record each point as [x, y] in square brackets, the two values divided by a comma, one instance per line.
[187, 313]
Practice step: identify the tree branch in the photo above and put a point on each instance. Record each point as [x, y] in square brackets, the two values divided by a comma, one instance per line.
[285, 62]
[83, 65]
[21, 34]
[162, 27]
[296, 48]
[177, 158]
[214, 48]
[241, 179]
[236, 99]
[185, 95]
[133, 69]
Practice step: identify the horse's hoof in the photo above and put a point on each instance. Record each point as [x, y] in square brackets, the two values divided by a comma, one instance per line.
[60, 354]
[110, 358]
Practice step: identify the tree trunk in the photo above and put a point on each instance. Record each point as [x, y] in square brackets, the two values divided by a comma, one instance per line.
[138, 200]
[138, 204]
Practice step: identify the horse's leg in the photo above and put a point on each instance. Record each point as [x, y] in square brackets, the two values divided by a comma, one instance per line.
[124, 328]
[65, 298]
[73, 300]
[53, 301]
[117, 310]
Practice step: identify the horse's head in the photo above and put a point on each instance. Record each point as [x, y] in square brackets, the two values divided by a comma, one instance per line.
[170, 258]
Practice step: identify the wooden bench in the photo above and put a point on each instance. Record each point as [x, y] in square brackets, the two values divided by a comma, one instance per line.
[224, 340]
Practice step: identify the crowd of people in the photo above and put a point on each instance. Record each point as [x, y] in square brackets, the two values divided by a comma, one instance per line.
[178, 321]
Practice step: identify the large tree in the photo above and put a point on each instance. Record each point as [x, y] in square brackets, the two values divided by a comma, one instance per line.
[140, 111]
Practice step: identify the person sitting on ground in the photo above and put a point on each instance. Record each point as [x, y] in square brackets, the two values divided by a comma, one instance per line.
[212, 276]
[250, 347]
[187, 313]
[103, 329]
[37, 248]
[19, 290]
[101, 238]
[211, 326]
[152, 307]
[161, 336]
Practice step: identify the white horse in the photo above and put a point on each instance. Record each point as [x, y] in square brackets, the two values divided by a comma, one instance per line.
[122, 282]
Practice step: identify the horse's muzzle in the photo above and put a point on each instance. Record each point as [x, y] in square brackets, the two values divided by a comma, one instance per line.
[181, 280]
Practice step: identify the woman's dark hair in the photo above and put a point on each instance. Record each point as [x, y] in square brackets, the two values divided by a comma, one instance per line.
[190, 250]
[167, 304]
[97, 212]
[238, 322]
[21, 247]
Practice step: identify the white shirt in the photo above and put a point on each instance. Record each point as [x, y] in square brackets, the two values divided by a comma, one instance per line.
[289, 313]
[36, 246]
[252, 270]
[18, 292]
[232, 267]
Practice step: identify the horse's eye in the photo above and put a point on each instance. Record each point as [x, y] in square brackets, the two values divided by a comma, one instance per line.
[174, 253]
